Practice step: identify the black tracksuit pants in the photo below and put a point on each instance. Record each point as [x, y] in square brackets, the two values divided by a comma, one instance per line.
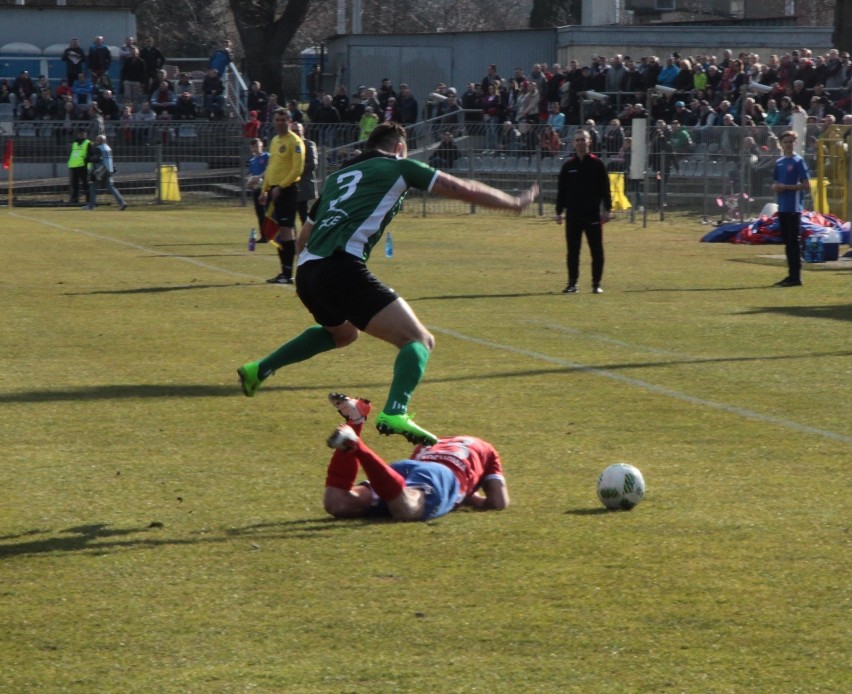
[575, 225]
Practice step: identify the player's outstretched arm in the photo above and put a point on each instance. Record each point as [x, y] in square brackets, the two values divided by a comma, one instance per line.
[481, 194]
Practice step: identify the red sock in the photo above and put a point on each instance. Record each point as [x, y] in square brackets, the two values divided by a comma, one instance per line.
[343, 468]
[386, 481]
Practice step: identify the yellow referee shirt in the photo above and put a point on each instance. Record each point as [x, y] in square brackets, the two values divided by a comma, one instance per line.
[286, 161]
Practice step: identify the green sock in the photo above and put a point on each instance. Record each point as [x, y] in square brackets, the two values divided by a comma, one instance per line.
[407, 371]
[313, 341]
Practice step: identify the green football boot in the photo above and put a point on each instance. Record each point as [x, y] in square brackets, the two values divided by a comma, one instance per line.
[404, 425]
[249, 378]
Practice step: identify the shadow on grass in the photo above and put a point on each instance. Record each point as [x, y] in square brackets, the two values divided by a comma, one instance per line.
[514, 295]
[193, 255]
[146, 391]
[778, 259]
[28, 533]
[748, 288]
[186, 245]
[122, 392]
[159, 290]
[141, 391]
[588, 512]
[838, 312]
[100, 538]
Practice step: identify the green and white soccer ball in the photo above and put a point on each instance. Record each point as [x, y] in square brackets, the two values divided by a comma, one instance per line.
[621, 487]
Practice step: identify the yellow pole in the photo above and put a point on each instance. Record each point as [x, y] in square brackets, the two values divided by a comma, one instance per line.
[10, 149]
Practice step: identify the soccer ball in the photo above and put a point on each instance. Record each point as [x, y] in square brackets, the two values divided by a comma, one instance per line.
[621, 487]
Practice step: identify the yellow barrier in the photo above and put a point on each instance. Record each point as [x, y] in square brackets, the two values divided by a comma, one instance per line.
[832, 192]
[169, 188]
[819, 194]
[616, 188]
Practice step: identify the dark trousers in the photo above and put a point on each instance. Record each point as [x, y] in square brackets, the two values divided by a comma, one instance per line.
[79, 181]
[259, 209]
[790, 224]
[574, 227]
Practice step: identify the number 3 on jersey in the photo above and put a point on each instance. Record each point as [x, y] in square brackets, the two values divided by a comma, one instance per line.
[347, 183]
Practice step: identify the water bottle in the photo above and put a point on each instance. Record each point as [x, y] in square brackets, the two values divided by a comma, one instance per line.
[252, 239]
[388, 245]
[807, 251]
[813, 249]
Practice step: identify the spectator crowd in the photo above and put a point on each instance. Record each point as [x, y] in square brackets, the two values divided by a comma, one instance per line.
[146, 92]
[536, 110]
[521, 112]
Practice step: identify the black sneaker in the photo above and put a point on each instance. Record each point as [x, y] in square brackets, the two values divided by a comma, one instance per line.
[570, 289]
[789, 282]
[280, 279]
[596, 289]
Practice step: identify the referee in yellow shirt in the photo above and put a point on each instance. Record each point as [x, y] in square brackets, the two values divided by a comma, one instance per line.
[281, 190]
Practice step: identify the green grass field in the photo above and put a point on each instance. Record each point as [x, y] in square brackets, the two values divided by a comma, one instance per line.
[159, 532]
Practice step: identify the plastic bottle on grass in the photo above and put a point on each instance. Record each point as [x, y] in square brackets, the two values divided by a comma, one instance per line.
[388, 245]
[252, 242]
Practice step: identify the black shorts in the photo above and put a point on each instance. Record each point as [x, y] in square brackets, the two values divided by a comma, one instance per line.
[341, 288]
[285, 206]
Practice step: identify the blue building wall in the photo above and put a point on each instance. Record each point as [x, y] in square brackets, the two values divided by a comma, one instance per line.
[48, 31]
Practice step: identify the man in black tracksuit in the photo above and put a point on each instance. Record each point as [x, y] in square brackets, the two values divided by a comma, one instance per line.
[583, 191]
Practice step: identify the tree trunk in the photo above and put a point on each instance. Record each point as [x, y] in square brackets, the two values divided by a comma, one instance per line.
[265, 38]
[842, 37]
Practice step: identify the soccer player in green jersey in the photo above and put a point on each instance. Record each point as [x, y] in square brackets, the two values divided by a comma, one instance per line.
[357, 203]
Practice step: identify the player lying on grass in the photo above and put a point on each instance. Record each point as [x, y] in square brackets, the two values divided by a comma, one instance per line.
[357, 203]
[433, 482]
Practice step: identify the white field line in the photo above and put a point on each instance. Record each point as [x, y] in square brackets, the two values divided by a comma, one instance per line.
[635, 382]
[144, 249]
[603, 338]
[651, 387]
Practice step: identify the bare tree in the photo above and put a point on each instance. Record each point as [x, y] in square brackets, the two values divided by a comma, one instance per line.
[273, 32]
[554, 13]
[265, 35]
[182, 28]
[418, 16]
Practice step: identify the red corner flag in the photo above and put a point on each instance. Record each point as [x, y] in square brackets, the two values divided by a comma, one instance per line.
[7, 155]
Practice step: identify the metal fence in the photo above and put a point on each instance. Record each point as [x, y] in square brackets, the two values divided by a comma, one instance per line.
[157, 161]
[719, 172]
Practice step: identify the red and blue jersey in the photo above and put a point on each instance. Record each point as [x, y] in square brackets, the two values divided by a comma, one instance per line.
[471, 460]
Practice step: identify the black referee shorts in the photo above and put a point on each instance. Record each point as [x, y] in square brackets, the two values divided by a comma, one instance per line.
[341, 288]
[285, 206]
